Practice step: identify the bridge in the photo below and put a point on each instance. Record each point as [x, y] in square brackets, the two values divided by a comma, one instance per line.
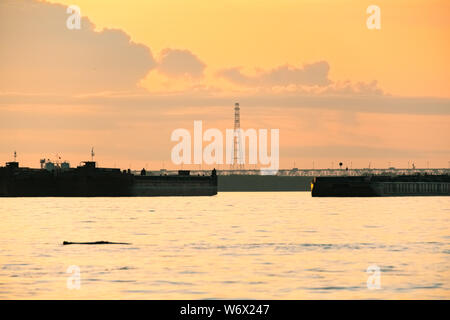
[313, 172]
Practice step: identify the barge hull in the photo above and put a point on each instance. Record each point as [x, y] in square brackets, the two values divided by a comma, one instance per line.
[89, 181]
[381, 186]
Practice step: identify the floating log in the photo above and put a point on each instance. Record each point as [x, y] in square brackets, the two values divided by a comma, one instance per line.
[95, 242]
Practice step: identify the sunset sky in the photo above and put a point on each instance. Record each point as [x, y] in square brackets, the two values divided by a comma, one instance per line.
[137, 70]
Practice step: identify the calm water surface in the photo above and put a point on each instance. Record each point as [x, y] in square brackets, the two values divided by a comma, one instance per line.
[235, 245]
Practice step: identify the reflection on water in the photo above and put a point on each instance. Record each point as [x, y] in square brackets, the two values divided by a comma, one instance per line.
[234, 245]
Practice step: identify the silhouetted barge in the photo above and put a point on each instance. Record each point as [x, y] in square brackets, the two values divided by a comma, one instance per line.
[260, 183]
[89, 181]
[381, 186]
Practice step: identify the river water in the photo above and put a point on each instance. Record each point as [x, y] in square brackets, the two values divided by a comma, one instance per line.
[265, 245]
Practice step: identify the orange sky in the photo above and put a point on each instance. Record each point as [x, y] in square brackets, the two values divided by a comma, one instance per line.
[336, 90]
[408, 56]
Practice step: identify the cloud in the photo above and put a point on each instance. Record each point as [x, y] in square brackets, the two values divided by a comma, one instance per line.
[175, 62]
[314, 74]
[349, 103]
[40, 54]
[349, 88]
[311, 79]
[43, 62]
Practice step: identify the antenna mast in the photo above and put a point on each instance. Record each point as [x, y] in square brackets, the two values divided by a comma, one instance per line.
[92, 154]
[237, 139]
